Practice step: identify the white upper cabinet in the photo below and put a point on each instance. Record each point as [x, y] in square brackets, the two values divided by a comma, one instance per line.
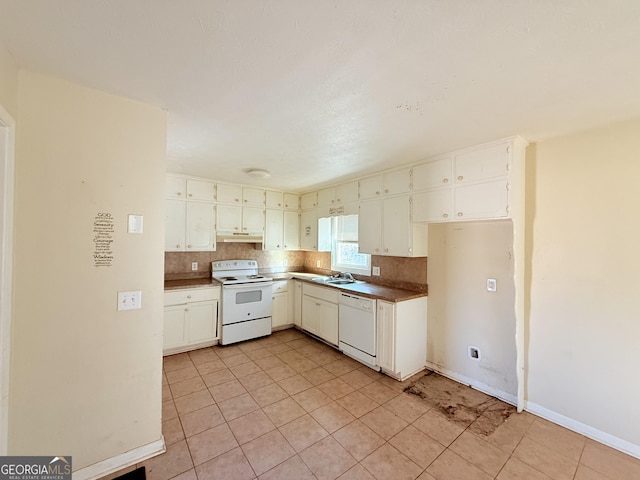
[201, 190]
[437, 173]
[433, 205]
[274, 199]
[291, 201]
[482, 163]
[370, 227]
[395, 182]
[291, 230]
[347, 192]
[229, 218]
[229, 193]
[326, 197]
[482, 200]
[175, 218]
[309, 201]
[273, 231]
[308, 230]
[175, 187]
[253, 196]
[200, 233]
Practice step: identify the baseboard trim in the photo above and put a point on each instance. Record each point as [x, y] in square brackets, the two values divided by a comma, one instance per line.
[494, 392]
[583, 429]
[124, 460]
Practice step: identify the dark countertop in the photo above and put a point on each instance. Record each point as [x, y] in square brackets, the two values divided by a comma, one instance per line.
[190, 283]
[368, 290]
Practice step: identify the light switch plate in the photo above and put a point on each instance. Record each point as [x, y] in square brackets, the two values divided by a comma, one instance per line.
[130, 300]
[134, 224]
[194, 266]
[492, 285]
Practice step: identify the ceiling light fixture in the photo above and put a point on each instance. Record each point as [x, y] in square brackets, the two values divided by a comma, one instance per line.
[258, 173]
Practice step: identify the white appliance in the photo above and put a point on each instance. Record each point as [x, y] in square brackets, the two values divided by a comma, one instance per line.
[357, 329]
[246, 300]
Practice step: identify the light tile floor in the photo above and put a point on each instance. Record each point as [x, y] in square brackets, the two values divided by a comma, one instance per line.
[290, 407]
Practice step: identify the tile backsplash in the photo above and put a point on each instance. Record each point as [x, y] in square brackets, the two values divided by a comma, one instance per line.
[401, 272]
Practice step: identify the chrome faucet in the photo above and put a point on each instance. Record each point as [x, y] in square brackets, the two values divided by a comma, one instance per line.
[348, 276]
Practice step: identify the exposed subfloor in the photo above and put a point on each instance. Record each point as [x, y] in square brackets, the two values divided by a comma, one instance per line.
[289, 407]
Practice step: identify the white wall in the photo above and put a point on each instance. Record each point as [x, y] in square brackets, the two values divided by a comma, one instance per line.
[8, 82]
[86, 379]
[462, 313]
[584, 322]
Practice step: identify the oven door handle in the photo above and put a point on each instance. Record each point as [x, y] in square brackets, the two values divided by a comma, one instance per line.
[247, 286]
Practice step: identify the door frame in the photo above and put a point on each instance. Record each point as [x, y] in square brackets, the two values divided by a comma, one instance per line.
[7, 166]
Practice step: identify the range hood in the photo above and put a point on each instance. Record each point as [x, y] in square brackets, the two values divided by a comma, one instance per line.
[228, 237]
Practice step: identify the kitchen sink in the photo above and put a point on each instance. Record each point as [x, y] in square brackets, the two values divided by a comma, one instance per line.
[333, 280]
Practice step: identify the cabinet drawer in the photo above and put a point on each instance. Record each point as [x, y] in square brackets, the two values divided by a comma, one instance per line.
[324, 293]
[280, 286]
[179, 297]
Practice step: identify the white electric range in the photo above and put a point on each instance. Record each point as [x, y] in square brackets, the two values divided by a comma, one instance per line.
[246, 300]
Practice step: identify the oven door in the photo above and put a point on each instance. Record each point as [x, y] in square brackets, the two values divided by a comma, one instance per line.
[246, 301]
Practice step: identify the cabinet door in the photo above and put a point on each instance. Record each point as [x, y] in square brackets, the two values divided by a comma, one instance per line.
[291, 231]
[297, 302]
[279, 310]
[202, 321]
[175, 216]
[386, 336]
[252, 219]
[327, 197]
[311, 320]
[309, 200]
[273, 230]
[482, 200]
[253, 196]
[175, 187]
[482, 163]
[229, 218]
[201, 190]
[396, 182]
[396, 226]
[174, 334]
[273, 199]
[371, 187]
[370, 227]
[433, 205]
[200, 232]
[432, 175]
[329, 319]
[347, 192]
[309, 230]
[291, 201]
[229, 193]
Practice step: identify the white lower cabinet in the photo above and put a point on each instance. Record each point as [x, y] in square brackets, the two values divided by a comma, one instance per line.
[320, 312]
[402, 337]
[297, 303]
[280, 305]
[190, 319]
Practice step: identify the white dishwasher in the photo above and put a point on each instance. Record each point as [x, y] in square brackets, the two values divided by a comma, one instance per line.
[357, 328]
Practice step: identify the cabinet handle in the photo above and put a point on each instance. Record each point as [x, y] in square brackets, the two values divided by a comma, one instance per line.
[178, 246]
[445, 215]
[338, 200]
[445, 180]
[460, 177]
[191, 194]
[244, 228]
[279, 204]
[386, 190]
[179, 193]
[188, 246]
[459, 214]
[317, 304]
[386, 249]
[235, 228]
[277, 246]
[188, 296]
[186, 309]
[245, 200]
[377, 193]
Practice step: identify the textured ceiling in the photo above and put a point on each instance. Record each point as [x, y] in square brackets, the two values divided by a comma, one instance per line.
[317, 91]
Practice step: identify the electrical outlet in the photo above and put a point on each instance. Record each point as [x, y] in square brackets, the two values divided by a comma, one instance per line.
[285, 262]
[474, 353]
[130, 300]
[376, 270]
[318, 263]
[492, 285]
[194, 265]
